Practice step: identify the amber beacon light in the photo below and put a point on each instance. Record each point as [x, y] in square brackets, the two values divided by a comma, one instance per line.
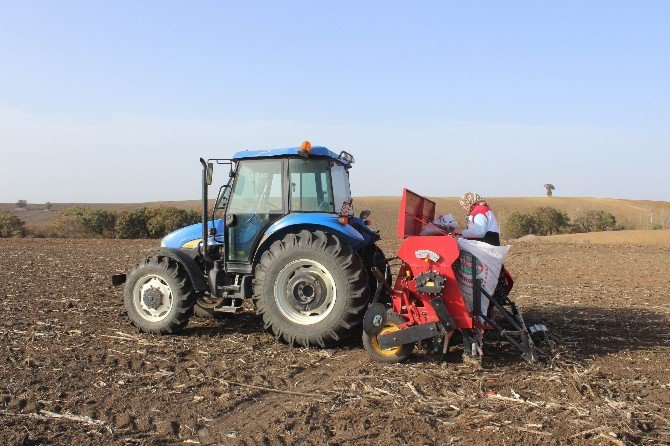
[305, 149]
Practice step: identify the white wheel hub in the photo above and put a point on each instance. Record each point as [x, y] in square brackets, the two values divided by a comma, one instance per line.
[152, 298]
[305, 292]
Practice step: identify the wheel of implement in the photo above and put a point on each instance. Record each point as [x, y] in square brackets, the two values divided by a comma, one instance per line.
[311, 289]
[393, 354]
[158, 296]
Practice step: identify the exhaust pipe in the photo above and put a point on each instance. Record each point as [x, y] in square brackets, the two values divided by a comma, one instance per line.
[205, 229]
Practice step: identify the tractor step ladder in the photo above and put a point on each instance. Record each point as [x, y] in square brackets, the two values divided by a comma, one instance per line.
[230, 305]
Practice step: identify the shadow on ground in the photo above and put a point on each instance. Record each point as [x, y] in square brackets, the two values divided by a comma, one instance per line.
[583, 331]
[601, 331]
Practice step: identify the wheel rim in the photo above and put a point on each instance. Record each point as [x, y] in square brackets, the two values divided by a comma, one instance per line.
[305, 292]
[388, 328]
[152, 298]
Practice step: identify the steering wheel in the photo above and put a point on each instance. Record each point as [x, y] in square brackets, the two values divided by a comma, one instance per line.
[266, 207]
[271, 207]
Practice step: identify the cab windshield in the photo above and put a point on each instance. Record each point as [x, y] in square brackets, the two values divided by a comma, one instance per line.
[258, 188]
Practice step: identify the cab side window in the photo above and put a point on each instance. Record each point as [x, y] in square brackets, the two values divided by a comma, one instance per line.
[310, 186]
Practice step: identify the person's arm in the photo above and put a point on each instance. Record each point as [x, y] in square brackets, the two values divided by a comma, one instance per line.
[477, 228]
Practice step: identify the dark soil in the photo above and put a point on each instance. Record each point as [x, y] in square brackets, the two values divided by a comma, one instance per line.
[74, 372]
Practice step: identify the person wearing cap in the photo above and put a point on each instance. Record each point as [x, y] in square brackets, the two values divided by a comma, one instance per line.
[482, 224]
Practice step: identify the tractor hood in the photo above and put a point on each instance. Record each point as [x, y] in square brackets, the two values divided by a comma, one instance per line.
[189, 236]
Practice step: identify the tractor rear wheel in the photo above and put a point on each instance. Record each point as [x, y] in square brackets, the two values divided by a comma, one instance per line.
[158, 296]
[311, 289]
[389, 355]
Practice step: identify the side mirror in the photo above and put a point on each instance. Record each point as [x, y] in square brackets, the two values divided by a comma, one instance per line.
[210, 171]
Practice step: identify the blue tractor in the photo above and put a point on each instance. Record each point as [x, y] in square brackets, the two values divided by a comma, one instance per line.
[281, 233]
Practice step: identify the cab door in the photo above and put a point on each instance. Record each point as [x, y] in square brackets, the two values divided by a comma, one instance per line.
[256, 201]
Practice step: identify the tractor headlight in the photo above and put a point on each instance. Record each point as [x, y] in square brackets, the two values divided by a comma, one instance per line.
[192, 244]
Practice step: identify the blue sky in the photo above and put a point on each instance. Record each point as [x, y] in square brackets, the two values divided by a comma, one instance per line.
[115, 101]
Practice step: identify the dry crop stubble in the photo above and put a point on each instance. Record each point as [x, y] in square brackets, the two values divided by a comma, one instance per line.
[76, 372]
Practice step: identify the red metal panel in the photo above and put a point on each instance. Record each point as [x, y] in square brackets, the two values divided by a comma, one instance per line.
[415, 213]
[448, 251]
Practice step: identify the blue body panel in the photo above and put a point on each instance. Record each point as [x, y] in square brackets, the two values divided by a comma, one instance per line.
[317, 151]
[186, 234]
[346, 233]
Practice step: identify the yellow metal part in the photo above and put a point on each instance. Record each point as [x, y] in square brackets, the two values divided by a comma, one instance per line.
[388, 328]
[192, 243]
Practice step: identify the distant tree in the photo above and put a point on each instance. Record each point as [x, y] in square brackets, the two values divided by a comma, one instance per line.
[521, 223]
[591, 220]
[84, 221]
[79, 221]
[11, 225]
[21, 204]
[132, 224]
[48, 206]
[550, 189]
[103, 222]
[165, 219]
[544, 220]
[550, 220]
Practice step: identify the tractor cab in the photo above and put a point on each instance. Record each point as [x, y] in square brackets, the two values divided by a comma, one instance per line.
[271, 190]
[269, 185]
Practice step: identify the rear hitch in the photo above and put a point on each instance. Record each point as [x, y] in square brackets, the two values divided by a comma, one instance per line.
[382, 285]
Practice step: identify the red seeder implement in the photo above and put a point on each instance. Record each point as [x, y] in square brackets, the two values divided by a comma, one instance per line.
[425, 302]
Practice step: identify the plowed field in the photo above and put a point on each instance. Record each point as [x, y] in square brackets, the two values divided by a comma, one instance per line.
[74, 372]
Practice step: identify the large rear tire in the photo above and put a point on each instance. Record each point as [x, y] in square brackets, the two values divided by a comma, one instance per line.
[158, 296]
[311, 289]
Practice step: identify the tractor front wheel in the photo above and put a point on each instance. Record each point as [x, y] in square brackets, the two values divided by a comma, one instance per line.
[158, 296]
[311, 289]
[389, 355]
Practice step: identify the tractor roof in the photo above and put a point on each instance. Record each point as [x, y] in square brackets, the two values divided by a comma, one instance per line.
[289, 151]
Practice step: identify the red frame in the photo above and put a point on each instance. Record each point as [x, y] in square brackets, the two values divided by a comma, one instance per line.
[415, 306]
[415, 212]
